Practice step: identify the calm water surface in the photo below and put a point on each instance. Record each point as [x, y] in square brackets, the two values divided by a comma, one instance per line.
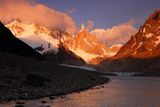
[119, 92]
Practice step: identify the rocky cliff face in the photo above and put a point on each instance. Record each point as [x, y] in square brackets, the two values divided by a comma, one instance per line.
[146, 42]
[141, 54]
[88, 47]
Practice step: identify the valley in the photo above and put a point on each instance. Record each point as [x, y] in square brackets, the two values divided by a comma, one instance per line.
[79, 54]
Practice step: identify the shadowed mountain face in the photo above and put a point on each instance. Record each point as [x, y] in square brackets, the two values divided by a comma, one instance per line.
[146, 66]
[64, 55]
[9, 43]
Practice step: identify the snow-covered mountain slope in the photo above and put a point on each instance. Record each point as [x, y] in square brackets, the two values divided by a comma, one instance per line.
[146, 42]
[84, 44]
[115, 48]
[36, 35]
[12, 45]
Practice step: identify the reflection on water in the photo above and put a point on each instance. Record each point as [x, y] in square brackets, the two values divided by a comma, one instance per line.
[119, 92]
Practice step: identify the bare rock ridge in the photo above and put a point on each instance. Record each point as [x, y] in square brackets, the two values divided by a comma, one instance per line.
[146, 42]
[88, 47]
[141, 54]
[9, 43]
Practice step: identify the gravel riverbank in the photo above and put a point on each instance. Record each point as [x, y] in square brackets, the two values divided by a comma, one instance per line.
[23, 78]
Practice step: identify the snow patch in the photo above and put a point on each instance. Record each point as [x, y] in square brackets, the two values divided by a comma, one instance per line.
[135, 53]
[149, 35]
[144, 30]
[94, 43]
[148, 25]
[87, 42]
[125, 74]
[158, 28]
[34, 36]
[110, 54]
[116, 45]
[35, 41]
[133, 44]
[84, 55]
[158, 41]
[80, 67]
[140, 44]
[104, 51]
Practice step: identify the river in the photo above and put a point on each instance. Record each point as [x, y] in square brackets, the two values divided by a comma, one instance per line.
[119, 92]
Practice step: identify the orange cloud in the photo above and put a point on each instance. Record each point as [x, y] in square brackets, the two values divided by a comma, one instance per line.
[33, 12]
[117, 34]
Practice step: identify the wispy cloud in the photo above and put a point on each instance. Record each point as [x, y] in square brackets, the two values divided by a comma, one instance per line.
[72, 10]
[117, 34]
[33, 12]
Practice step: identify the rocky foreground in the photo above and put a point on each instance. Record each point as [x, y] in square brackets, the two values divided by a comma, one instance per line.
[24, 78]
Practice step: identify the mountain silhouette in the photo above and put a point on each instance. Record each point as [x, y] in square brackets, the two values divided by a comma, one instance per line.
[10, 44]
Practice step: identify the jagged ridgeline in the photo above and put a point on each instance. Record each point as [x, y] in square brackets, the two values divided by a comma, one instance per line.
[46, 40]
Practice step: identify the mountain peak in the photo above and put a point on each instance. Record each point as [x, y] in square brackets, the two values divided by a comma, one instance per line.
[83, 28]
[88, 47]
[146, 42]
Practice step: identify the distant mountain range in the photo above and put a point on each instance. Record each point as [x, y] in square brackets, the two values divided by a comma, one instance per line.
[43, 39]
[140, 54]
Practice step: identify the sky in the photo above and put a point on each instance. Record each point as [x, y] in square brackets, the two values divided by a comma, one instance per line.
[111, 21]
[105, 13]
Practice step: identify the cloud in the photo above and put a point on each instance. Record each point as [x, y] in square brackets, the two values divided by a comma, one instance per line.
[33, 12]
[117, 34]
[72, 10]
[89, 24]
